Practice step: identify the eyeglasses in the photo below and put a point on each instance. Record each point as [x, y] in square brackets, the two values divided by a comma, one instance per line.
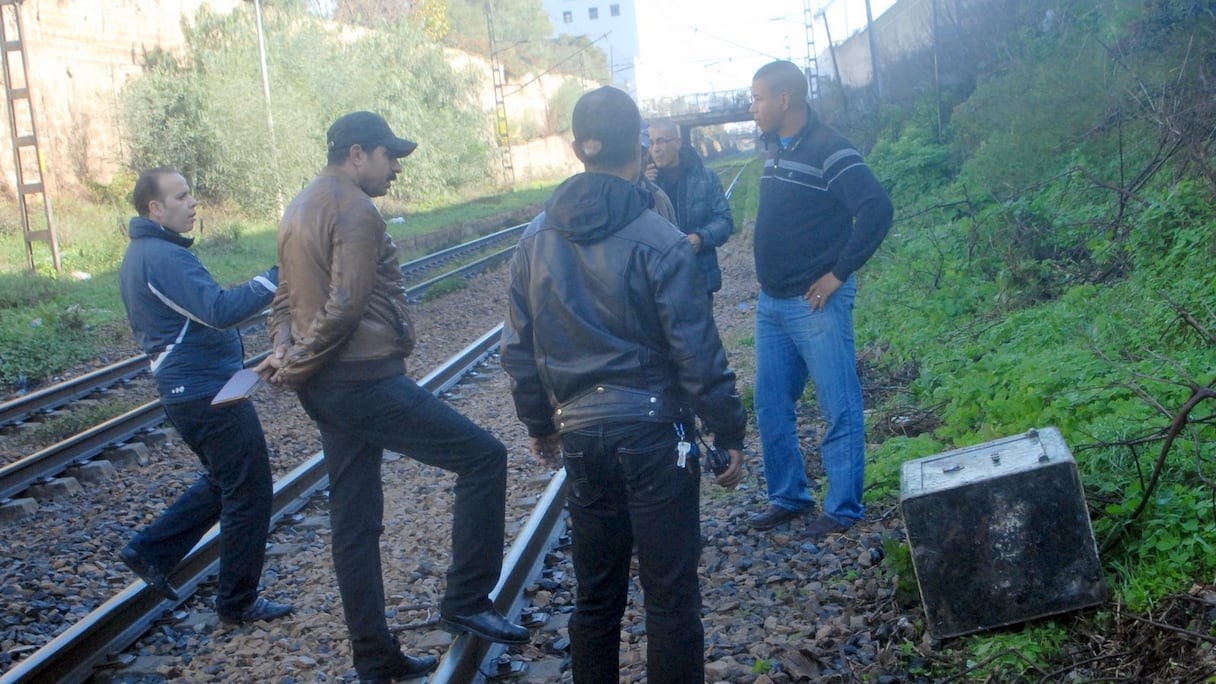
[662, 141]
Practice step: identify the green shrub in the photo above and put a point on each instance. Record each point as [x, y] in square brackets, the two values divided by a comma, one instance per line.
[206, 115]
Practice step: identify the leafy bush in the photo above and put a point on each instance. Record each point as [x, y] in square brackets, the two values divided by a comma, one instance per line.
[913, 166]
[207, 115]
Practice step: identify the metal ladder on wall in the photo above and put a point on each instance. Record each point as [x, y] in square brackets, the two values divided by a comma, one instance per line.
[27, 158]
[500, 103]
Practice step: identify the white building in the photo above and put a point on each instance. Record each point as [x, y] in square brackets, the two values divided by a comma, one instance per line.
[612, 24]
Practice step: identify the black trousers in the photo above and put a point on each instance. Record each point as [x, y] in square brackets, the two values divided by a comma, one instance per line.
[234, 490]
[358, 421]
[627, 488]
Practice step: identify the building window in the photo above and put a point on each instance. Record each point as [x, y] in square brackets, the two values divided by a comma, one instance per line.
[567, 17]
[614, 10]
[593, 13]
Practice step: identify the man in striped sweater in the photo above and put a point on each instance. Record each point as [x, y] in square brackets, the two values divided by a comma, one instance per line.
[822, 214]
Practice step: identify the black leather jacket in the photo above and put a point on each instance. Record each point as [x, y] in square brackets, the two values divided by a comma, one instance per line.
[608, 319]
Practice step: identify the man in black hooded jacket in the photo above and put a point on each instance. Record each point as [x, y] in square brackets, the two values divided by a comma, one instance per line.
[611, 347]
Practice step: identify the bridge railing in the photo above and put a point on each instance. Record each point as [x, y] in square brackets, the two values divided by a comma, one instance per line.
[694, 103]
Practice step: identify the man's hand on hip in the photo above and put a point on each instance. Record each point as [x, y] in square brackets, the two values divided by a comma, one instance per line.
[821, 290]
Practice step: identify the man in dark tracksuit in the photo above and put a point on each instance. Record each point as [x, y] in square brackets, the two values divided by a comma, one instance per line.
[702, 211]
[611, 347]
[185, 322]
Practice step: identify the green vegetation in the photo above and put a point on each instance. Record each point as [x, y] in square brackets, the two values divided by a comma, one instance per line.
[1051, 265]
[444, 287]
[205, 114]
[418, 223]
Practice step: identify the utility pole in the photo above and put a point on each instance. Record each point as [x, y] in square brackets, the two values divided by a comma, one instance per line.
[937, 79]
[827, 29]
[274, 147]
[873, 50]
[501, 130]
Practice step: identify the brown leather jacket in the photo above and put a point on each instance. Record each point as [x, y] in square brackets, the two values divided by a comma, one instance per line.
[340, 307]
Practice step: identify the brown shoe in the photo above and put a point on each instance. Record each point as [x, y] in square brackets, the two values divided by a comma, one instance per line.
[821, 527]
[774, 516]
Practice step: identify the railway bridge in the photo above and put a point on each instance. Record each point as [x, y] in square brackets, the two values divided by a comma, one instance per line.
[701, 109]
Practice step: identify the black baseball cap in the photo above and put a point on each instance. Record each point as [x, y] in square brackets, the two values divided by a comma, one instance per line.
[367, 130]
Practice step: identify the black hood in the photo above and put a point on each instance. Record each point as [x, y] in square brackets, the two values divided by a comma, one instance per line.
[591, 206]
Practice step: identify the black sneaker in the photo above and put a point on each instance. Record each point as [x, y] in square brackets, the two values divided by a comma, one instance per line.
[261, 609]
[154, 578]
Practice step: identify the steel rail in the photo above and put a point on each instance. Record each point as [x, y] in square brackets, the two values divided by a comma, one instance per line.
[59, 394]
[731, 187]
[17, 476]
[462, 250]
[71, 657]
[465, 659]
[52, 396]
[417, 291]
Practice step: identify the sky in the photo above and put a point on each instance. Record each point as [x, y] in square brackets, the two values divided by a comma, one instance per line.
[700, 46]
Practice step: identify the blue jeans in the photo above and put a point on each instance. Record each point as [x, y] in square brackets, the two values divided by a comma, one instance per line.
[792, 344]
[626, 489]
[358, 421]
[235, 490]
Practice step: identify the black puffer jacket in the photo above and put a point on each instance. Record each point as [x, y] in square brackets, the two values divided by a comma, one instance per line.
[701, 207]
[608, 320]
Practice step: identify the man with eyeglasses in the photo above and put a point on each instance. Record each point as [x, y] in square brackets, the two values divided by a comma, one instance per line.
[702, 212]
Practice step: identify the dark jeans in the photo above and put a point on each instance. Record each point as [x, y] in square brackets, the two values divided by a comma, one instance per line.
[235, 490]
[358, 420]
[626, 488]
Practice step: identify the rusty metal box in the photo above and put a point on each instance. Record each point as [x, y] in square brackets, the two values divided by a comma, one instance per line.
[999, 533]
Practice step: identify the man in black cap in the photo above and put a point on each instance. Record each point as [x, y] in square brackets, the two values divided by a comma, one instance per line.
[341, 332]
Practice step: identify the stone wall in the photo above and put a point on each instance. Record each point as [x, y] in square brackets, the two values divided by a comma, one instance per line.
[80, 54]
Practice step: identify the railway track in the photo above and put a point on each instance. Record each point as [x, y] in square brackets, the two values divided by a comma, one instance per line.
[51, 461]
[117, 623]
[413, 270]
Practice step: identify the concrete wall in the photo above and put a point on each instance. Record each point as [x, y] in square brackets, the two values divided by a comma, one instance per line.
[906, 27]
[80, 54]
